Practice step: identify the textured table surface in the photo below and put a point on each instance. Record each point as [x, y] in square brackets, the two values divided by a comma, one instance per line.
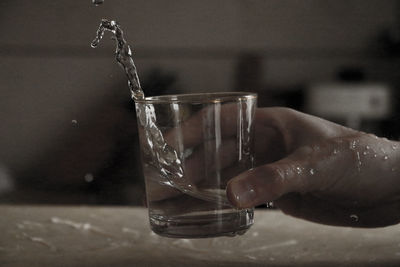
[120, 236]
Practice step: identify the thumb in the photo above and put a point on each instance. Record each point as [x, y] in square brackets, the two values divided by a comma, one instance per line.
[269, 182]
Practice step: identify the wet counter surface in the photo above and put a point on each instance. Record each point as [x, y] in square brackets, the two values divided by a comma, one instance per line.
[120, 236]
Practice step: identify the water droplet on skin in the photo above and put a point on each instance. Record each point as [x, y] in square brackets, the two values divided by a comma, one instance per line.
[89, 177]
[358, 161]
[353, 145]
[354, 217]
[385, 157]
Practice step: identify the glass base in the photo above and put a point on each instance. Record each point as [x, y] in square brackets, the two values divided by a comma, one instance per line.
[203, 224]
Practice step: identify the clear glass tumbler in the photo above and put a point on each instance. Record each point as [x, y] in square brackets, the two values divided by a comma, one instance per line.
[191, 146]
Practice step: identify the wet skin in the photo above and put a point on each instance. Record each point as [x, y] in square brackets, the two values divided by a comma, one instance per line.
[321, 171]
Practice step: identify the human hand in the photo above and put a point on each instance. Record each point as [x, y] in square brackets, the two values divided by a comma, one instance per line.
[320, 171]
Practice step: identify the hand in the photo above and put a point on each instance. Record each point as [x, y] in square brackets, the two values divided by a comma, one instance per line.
[320, 171]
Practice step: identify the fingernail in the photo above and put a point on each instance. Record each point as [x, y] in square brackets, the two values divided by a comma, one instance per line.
[240, 193]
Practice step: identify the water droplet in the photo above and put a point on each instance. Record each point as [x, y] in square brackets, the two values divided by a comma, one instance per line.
[97, 2]
[375, 155]
[354, 217]
[298, 170]
[365, 153]
[89, 177]
[394, 147]
[385, 157]
[367, 147]
[74, 122]
[269, 204]
[353, 144]
[335, 151]
[312, 171]
[358, 161]
[237, 197]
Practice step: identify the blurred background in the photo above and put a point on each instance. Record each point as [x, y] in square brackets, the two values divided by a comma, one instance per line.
[68, 129]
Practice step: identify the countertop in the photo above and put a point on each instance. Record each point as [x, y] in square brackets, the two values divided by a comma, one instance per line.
[120, 236]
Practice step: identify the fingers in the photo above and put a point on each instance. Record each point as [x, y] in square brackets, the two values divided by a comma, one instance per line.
[317, 210]
[269, 182]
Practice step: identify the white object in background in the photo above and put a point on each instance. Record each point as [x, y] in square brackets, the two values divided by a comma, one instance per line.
[351, 102]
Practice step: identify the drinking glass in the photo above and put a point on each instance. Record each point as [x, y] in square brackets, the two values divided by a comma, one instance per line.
[191, 146]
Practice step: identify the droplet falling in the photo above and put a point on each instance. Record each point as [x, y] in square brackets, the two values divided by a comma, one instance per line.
[89, 177]
[354, 217]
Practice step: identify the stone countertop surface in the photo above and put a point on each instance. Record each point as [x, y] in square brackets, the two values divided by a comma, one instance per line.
[120, 236]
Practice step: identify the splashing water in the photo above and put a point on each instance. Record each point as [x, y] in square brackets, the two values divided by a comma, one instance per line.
[164, 157]
[123, 54]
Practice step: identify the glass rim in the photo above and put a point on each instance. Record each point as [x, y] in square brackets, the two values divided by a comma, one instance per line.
[215, 97]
